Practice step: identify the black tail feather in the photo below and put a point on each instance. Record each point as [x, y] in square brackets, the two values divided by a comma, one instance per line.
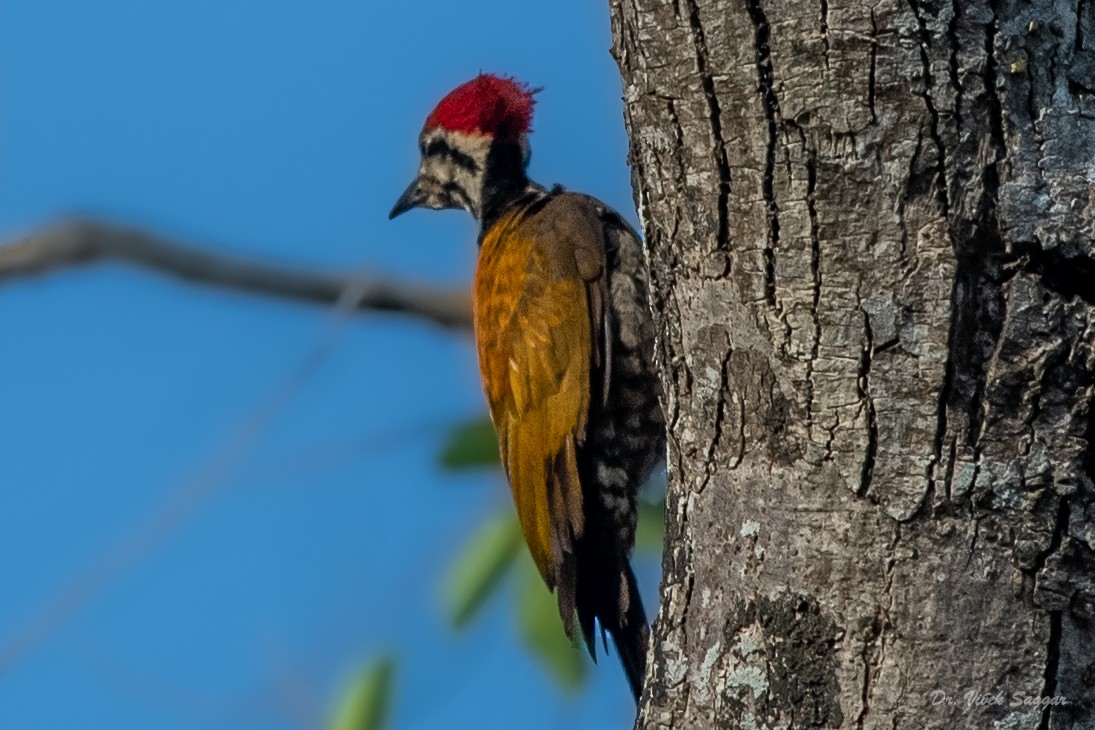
[602, 602]
[632, 636]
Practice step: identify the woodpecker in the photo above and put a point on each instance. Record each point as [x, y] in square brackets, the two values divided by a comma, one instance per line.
[565, 344]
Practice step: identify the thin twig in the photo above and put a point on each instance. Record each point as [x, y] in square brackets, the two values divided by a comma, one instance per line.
[82, 241]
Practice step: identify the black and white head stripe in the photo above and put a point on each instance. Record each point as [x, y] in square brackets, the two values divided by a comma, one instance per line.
[452, 169]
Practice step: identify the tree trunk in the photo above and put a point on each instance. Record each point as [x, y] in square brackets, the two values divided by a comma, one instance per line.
[870, 240]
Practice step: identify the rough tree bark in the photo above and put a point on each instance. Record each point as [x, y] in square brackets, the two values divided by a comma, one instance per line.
[870, 238]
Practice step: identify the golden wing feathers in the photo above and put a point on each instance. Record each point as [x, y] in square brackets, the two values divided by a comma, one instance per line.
[538, 304]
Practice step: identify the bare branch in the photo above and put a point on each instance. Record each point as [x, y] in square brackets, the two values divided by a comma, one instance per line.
[80, 241]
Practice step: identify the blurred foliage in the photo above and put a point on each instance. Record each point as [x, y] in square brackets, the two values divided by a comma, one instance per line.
[542, 630]
[471, 445]
[365, 703]
[480, 567]
[650, 532]
[497, 549]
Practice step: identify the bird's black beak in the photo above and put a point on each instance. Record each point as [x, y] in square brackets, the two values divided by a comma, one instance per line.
[410, 198]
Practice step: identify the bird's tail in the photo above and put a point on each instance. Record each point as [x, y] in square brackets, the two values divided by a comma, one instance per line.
[618, 607]
[632, 635]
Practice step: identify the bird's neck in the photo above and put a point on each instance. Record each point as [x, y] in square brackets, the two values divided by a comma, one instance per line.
[504, 181]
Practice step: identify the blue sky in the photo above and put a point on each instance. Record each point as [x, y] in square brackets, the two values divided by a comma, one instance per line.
[283, 131]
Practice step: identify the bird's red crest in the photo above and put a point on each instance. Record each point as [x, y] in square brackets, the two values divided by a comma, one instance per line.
[494, 105]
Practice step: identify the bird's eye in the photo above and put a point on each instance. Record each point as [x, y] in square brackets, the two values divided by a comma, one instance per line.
[436, 148]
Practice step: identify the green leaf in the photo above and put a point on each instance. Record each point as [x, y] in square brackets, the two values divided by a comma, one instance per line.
[365, 703]
[480, 567]
[542, 630]
[650, 534]
[471, 445]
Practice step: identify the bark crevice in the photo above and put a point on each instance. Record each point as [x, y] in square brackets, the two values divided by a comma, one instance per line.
[870, 453]
[815, 274]
[722, 164]
[770, 101]
[1053, 661]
